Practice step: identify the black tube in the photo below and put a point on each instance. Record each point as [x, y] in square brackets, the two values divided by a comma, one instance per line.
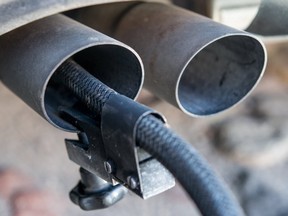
[92, 92]
[185, 163]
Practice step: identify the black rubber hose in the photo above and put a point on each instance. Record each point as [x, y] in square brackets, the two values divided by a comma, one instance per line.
[92, 92]
[185, 163]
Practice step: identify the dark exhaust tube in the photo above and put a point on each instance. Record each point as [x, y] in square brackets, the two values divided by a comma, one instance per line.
[196, 64]
[271, 19]
[31, 54]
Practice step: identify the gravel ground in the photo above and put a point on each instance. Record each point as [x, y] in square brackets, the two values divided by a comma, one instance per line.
[247, 146]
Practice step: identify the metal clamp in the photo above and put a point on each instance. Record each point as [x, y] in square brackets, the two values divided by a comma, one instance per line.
[107, 148]
[133, 166]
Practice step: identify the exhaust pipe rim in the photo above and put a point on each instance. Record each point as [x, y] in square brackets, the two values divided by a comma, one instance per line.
[59, 123]
[181, 104]
[32, 53]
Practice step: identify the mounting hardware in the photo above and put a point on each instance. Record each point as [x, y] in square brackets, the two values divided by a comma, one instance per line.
[132, 182]
[109, 166]
[93, 193]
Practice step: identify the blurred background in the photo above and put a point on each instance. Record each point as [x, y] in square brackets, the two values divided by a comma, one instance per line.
[248, 146]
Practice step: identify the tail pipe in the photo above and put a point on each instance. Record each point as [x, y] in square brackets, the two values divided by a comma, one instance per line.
[198, 65]
[31, 54]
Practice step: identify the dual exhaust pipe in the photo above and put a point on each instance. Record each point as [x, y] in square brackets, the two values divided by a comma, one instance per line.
[197, 65]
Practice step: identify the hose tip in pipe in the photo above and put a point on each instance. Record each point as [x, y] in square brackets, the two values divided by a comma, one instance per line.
[40, 47]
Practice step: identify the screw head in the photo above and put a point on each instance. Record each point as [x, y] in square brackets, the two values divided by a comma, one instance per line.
[109, 166]
[132, 182]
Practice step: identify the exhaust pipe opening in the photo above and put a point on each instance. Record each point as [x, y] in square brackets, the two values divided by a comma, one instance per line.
[114, 65]
[220, 75]
[32, 53]
[199, 66]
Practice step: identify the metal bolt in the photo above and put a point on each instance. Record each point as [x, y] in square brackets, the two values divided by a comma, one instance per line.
[109, 166]
[132, 182]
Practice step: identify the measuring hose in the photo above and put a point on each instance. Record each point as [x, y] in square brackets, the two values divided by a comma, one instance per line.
[195, 175]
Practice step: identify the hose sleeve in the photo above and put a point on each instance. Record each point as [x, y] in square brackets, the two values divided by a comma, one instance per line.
[185, 163]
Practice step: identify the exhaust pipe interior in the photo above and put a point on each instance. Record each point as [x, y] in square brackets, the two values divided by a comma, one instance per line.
[196, 64]
[32, 53]
[220, 75]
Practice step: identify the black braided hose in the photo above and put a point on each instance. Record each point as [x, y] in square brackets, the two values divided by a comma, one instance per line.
[92, 92]
[185, 163]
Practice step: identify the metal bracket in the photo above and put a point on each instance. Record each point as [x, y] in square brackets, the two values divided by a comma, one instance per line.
[133, 166]
[107, 147]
